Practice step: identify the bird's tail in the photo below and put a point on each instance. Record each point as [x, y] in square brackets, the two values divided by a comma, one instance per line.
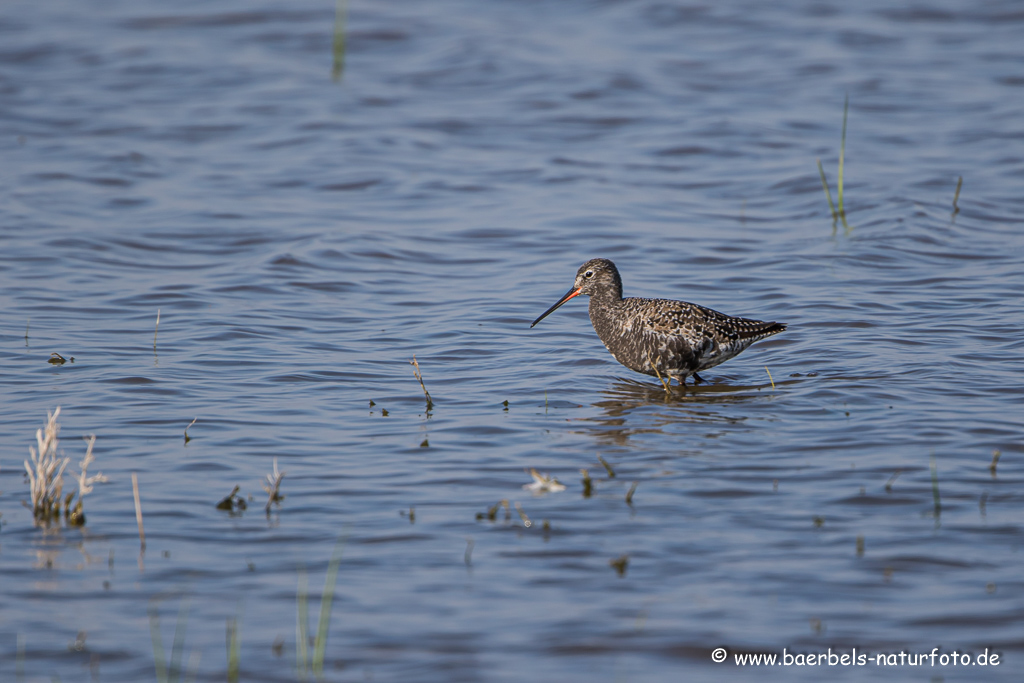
[762, 330]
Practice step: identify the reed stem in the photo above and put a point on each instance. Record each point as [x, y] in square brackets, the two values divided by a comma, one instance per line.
[138, 510]
[419, 377]
[842, 155]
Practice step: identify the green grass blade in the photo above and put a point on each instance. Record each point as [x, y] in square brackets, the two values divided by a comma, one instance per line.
[828, 194]
[159, 663]
[174, 674]
[233, 648]
[325, 609]
[302, 625]
[842, 155]
[193, 666]
[340, 12]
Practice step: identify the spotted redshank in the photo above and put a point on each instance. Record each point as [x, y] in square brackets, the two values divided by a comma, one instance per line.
[660, 337]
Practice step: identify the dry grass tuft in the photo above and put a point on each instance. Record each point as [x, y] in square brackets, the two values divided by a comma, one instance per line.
[45, 471]
[273, 486]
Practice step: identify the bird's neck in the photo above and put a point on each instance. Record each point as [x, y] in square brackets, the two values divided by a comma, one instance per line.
[605, 301]
[610, 294]
[603, 316]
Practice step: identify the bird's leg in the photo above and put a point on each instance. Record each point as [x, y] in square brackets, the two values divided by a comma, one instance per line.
[697, 379]
[654, 366]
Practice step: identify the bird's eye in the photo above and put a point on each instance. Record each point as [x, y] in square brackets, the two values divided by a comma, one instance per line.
[589, 273]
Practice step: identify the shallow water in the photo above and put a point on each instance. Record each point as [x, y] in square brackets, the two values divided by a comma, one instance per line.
[303, 239]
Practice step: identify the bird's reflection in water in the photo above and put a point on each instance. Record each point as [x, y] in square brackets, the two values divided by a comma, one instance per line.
[706, 405]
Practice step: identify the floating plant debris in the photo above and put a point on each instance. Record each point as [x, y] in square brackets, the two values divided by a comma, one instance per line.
[543, 483]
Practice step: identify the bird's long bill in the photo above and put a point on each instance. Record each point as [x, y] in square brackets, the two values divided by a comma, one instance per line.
[568, 295]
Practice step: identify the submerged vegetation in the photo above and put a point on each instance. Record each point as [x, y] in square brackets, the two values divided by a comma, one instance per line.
[629, 494]
[232, 502]
[588, 483]
[996, 454]
[607, 467]
[304, 664]
[838, 209]
[171, 671]
[236, 504]
[838, 213]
